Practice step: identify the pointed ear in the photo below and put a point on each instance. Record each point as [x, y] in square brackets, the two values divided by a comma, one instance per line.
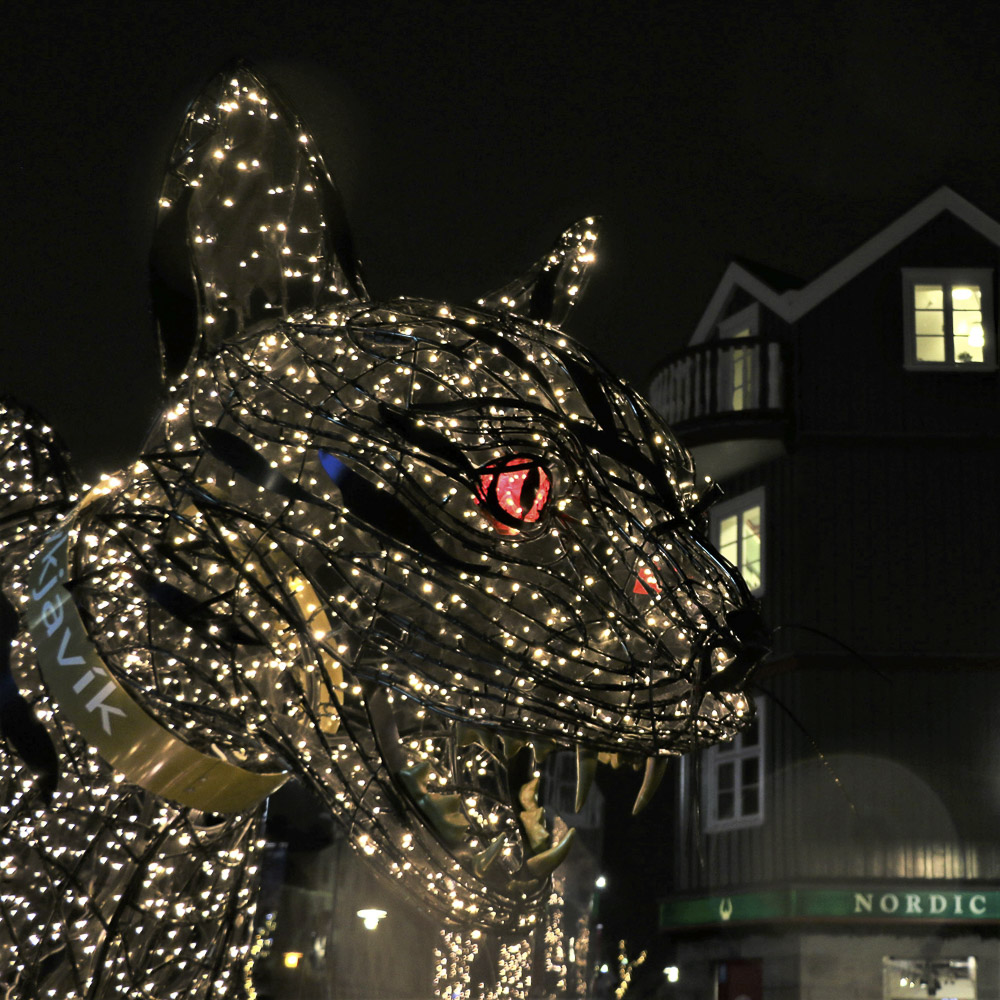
[249, 212]
[548, 289]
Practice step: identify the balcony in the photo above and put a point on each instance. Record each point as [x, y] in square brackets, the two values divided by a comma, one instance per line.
[727, 401]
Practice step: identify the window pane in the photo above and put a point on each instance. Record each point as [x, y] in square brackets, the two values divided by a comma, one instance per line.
[750, 801]
[965, 353]
[750, 770]
[750, 736]
[969, 335]
[930, 323]
[930, 348]
[928, 297]
[740, 362]
[751, 548]
[966, 297]
[729, 538]
[725, 805]
[725, 776]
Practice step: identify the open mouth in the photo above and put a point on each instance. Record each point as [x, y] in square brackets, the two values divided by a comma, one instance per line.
[481, 792]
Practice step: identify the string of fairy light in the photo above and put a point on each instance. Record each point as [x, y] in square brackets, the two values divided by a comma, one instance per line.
[399, 551]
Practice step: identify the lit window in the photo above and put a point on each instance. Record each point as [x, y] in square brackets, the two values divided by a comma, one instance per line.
[948, 319]
[738, 534]
[739, 374]
[733, 779]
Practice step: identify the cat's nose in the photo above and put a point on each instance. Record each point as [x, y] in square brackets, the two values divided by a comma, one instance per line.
[753, 640]
[748, 626]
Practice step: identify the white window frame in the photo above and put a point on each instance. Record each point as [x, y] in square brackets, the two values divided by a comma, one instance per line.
[734, 753]
[947, 276]
[745, 323]
[738, 505]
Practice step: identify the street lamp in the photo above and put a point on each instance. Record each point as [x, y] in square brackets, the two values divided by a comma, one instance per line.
[371, 916]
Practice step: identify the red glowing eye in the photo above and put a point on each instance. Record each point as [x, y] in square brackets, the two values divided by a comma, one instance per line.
[514, 490]
[645, 581]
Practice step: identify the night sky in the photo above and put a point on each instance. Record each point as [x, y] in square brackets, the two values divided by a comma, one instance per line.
[464, 138]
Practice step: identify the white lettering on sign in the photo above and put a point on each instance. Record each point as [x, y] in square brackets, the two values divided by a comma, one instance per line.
[49, 562]
[51, 571]
[919, 904]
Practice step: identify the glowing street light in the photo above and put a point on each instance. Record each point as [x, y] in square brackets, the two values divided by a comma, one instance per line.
[371, 916]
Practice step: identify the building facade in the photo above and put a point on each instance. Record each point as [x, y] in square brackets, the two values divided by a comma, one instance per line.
[848, 845]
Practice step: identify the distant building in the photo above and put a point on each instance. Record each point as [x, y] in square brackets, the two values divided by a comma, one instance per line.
[313, 941]
[849, 844]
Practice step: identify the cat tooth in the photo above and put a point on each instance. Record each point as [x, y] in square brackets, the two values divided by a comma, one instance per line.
[528, 795]
[441, 810]
[483, 861]
[384, 726]
[655, 768]
[586, 767]
[611, 759]
[512, 745]
[542, 865]
[445, 814]
[532, 816]
[415, 778]
[533, 821]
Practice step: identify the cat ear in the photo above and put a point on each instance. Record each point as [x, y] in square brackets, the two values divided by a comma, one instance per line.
[249, 212]
[548, 290]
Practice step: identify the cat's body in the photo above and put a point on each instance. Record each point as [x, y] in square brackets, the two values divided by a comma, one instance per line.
[381, 547]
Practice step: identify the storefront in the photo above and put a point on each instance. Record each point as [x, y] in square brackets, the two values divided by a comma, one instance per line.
[906, 941]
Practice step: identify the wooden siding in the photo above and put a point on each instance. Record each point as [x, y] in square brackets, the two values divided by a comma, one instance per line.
[892, 547]
[850, 378]
[868, 779]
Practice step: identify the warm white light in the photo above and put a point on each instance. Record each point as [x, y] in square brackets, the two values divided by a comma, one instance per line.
[601, 881]
[371, 917]
[672, 973]
[977, 336]
[292, 959]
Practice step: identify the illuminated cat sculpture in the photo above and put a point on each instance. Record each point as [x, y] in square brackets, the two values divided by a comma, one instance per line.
[400, 550]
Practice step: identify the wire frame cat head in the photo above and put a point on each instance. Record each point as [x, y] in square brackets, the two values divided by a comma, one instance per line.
[406, 549]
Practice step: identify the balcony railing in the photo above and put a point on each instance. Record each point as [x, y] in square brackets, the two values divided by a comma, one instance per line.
[722, 382]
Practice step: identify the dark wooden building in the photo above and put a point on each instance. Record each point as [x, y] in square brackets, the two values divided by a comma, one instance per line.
[849, 845]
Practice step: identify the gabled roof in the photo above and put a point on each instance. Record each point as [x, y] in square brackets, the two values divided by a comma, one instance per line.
[792, 304]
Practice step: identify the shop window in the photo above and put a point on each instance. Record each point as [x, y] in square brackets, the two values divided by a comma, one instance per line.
[738, 534]
[948, 320]
[733, 779]
[944, 978]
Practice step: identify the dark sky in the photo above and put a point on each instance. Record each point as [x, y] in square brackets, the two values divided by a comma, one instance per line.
[464, 138]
